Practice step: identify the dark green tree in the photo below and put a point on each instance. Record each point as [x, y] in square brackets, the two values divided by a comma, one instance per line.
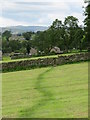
[28, 43]
[5, 46]
[78, 38]
[14, 45]
[27, 35]
[87, 23]
[71, 26]
[7, 34]
[55, 32]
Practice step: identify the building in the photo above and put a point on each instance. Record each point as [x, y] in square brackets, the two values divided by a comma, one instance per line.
[56, 50]
[33, 51]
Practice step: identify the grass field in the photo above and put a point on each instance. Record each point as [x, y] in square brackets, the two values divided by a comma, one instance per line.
[52, 92]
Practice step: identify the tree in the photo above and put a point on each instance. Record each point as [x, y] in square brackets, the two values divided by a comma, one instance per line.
[5, 46]
[87, 23]
[28, 43]
[27, 35]
[55, 32]
[71, 26]
[42, 42]
[14, 45]
[64, 44]
[39, 41]
[78, 38]
[71, 22]
[7, 34]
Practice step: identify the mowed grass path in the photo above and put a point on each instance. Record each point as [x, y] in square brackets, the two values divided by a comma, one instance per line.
[52, 92]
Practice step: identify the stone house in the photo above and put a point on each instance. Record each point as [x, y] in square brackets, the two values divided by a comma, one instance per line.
[56, 50]
[33, 51]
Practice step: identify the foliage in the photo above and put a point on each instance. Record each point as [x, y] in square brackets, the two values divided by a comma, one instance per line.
[27, 35]
[27, 43]
[87, 23]
[67, 35]
[10, 46]
[6, 34]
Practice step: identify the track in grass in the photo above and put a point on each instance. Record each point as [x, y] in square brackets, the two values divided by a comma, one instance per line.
[46, 96]
[52, 92]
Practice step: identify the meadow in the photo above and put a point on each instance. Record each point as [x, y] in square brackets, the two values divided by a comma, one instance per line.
[50, 92]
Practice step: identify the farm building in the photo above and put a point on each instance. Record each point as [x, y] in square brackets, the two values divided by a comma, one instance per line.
[33, 51]
[56, 50]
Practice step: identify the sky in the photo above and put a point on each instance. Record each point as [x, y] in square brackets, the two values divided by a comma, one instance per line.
[38, 12]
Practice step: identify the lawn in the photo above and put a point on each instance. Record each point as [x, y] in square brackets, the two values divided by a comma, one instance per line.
[51, 92]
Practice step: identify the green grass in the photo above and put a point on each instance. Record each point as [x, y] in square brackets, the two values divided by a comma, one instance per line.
[52, 92]
[8, 59]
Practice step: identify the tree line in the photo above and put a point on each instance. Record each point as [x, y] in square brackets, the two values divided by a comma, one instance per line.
[66, 35]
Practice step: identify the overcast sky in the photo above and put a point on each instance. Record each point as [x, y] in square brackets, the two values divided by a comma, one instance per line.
[38, 12]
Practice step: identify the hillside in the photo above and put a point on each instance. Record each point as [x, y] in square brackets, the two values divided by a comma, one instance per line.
[21, 29]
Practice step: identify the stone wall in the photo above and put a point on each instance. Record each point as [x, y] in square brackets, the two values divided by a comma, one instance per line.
[28, 64]
[20, 56]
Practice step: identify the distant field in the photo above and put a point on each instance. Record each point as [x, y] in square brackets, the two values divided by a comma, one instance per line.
[52, 92]
[8, 59]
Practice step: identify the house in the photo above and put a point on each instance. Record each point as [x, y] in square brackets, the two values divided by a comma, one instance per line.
[56, 50]
[33, 51]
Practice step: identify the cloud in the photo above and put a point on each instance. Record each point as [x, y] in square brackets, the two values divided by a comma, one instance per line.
[43, 0]
[38, 12]
[79, 16]
[10, 22]
[32, 6]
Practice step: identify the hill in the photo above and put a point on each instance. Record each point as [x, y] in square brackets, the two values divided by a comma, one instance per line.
[21, 29]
